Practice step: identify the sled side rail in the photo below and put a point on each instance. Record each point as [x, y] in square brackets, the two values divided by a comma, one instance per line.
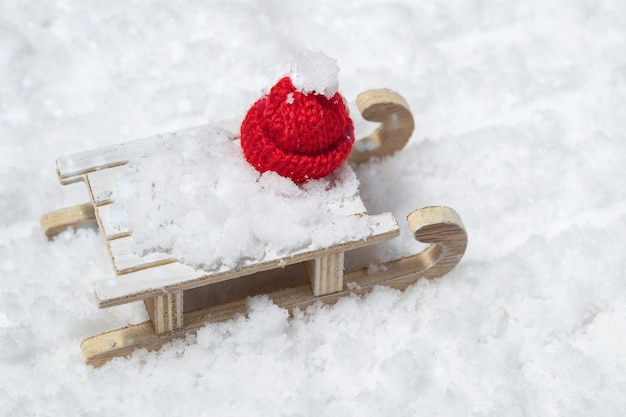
[440, 226]
[174, 276]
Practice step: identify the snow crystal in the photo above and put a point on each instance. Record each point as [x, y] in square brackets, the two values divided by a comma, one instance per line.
[315, 72]
[195, 196]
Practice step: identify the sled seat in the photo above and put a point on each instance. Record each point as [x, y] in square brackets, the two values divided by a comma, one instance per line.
[160, 280]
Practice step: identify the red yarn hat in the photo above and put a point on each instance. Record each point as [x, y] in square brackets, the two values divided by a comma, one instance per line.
[297, 134]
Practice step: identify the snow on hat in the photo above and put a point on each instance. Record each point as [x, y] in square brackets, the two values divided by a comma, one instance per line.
[301, 129]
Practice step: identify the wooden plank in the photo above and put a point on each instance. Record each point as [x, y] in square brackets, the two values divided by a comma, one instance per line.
[151, 282]
[348, 207]
[110, 232]
[326, 273]
[71, 168]
[102, 184]
[142, 284]
[126, 261]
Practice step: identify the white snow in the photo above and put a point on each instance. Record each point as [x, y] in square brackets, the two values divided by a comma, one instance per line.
[315, 72]
[519, 110]
[195, 196]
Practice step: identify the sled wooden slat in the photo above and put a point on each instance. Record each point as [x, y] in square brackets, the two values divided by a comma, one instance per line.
[348, 207]
[106, 227]
[71, 168]
[130, 287]
[102, 184]
[126, 261]
[150, 282]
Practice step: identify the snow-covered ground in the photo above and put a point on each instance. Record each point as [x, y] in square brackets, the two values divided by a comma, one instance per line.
[520, 126]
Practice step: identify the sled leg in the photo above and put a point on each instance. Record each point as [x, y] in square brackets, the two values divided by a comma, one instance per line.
[326, 273]
[392, 111]
[57, 221]
[166, 312]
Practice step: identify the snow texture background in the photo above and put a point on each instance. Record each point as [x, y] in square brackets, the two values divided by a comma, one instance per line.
[520, 119]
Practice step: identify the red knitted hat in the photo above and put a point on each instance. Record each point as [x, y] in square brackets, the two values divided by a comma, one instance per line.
[297, 134]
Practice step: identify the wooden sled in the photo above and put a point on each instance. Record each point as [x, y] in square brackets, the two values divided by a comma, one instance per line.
[180, 299]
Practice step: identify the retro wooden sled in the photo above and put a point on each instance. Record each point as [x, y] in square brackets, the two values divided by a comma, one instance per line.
[180, 299]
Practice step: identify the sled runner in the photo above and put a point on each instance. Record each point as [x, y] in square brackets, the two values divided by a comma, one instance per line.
[180, 299]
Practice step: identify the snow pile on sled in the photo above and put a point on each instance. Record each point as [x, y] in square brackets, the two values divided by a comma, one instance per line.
[195, 196]
[314, 71]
